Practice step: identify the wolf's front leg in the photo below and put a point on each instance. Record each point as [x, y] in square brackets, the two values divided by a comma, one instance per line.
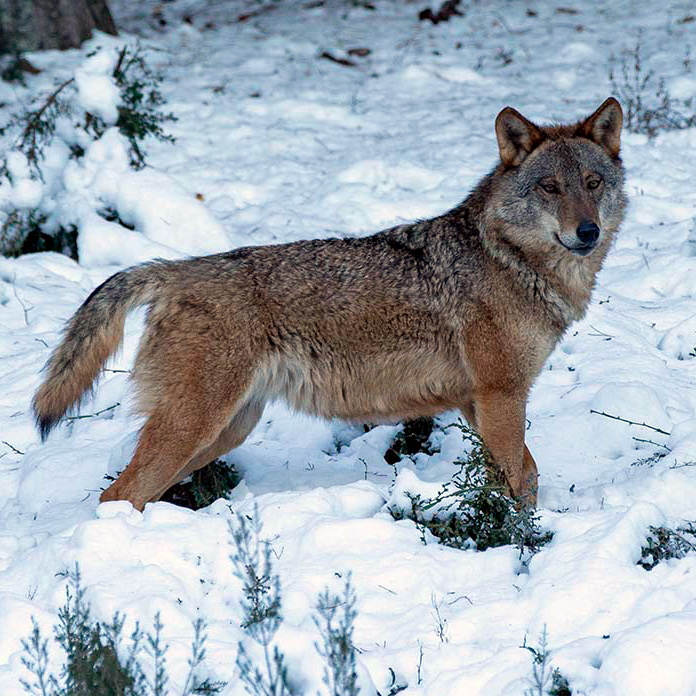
[500, 421]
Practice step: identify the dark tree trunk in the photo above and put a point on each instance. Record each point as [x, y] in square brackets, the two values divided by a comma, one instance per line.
[35, 25]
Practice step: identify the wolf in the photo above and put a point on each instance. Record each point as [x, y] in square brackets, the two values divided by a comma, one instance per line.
[456, 312]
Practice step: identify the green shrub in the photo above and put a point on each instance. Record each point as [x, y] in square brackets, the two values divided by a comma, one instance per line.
[96, 661]
[204, 486]
[262, 608]
[24, 229]
[414, 437]
[335, 618]
[139, 114]
[472, 510]
[663, 543]
[262, 616]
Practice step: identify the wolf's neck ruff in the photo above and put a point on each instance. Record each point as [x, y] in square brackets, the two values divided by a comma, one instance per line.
[536, 287]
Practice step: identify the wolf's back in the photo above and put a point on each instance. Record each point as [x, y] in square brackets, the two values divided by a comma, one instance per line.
[93, 334]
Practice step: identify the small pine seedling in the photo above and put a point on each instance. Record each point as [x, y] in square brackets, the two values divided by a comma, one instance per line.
[335, 620]
[545, 681]
[262, 609]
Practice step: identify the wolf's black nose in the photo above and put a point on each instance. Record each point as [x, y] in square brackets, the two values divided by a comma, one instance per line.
[588, 232]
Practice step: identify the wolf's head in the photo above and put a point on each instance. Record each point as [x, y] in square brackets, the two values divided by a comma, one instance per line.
[558, 191]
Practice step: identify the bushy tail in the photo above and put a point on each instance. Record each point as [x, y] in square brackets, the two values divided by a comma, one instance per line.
[93, 334]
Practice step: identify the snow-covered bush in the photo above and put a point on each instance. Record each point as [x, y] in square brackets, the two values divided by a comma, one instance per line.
[112, 97]
[471, 510]
[99, 661]
[663, 543]
[138, 108]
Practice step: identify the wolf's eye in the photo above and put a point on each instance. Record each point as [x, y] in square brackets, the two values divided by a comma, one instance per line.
[594, 183]
[550, 186]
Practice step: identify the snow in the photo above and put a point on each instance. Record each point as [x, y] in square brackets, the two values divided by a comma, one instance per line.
[97, 91]
[275, 143]
[21, 190]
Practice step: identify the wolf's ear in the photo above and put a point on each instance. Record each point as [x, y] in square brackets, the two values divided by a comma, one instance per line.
[517, 136]
[604, 126]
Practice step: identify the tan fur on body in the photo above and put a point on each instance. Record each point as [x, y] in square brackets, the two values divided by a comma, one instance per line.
[460, 311]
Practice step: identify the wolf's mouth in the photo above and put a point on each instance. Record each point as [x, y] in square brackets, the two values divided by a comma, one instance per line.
[581, 250]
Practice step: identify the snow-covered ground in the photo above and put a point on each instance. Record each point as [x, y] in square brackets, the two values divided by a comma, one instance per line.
[283, 145]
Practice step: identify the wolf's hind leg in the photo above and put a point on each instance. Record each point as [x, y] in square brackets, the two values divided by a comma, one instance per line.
[166, 444]
[172, 446]
[190, 419]
[232, 435]
[193, 373]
